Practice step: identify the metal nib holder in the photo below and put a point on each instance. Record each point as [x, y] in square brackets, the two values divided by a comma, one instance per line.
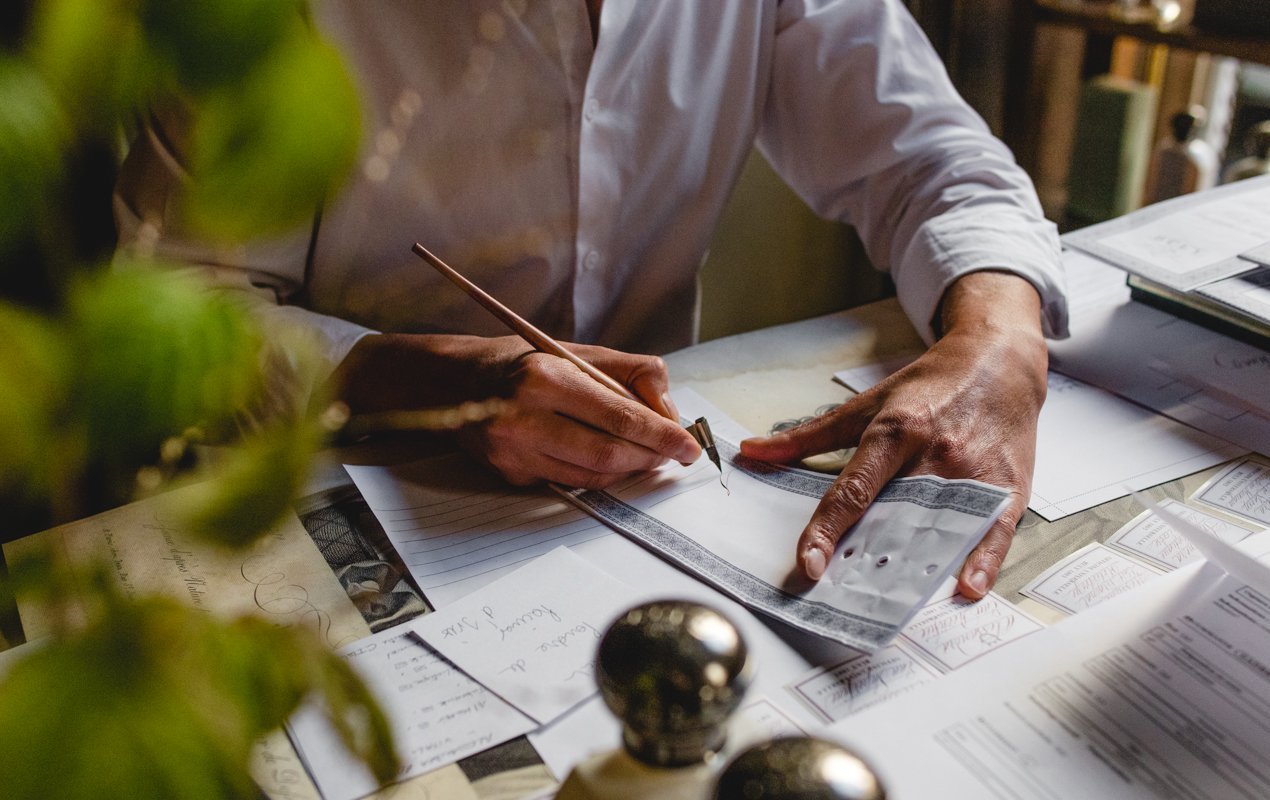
[798, 768]
[673, 671]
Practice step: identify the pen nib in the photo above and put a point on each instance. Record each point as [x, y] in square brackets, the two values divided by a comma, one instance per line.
[700, 431]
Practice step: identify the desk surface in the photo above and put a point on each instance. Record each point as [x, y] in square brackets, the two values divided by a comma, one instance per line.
[785, 373]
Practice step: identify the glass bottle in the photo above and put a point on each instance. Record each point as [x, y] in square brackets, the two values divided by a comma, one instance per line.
[1182, 162]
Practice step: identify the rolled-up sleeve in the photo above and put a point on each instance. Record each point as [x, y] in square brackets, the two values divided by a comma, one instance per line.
[864, 124]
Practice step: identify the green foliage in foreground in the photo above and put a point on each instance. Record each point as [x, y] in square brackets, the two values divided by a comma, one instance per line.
[153, 701]
[108, 375]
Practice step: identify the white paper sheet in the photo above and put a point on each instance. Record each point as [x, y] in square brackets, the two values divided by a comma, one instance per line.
[1234, 371]
[1159, 693]
[1091, 446]
[1248, 293]
[1185, 242]
[1242, 489]
[437, 713]
[530, 636]
[1121, 349]
[1150, 538]
[916, 532]
[835, 692]
[1092, 283]
[454, 523]
[1086, 578]
[779, 653]
[589, 728]
[954, 631]
[767, 717]
[458, 528]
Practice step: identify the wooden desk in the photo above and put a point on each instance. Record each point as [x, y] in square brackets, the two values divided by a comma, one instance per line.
[760, 378]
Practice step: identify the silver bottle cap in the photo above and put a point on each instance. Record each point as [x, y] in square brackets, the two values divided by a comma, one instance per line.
[798, 768]
[673, 671]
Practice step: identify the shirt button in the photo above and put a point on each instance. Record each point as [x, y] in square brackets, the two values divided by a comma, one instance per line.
[591, 108]
[592, 260]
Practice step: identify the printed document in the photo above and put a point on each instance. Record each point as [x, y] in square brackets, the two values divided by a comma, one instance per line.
[1146, 355]
[1242, 489]
[1162, 692]
[1187, 241]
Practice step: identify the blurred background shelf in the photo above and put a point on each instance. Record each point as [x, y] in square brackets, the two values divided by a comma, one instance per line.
[1054, 46]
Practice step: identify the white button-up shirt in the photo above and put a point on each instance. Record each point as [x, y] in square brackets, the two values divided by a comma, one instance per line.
[581, 184]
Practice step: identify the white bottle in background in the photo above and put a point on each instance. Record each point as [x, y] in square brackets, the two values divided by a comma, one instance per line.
[1256, 164]
[1182, 163]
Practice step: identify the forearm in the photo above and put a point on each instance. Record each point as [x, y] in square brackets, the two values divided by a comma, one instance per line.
[390, 371]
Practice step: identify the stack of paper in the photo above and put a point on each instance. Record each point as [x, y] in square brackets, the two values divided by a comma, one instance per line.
[1159, 693]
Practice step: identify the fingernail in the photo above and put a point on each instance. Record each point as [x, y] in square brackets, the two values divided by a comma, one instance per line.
[814, 563]
[979, 581]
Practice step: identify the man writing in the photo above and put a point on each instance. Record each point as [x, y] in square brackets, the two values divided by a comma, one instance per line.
[572, 159]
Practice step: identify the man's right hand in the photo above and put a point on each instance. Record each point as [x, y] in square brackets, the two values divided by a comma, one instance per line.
[562, 425]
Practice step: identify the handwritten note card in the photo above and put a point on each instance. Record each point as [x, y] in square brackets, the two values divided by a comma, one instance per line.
[1242, 489]
[438, 714]
[838, 691]
[1151, 539]
[531, 635]
[954, 631]
[282, 578]
[1087, 577]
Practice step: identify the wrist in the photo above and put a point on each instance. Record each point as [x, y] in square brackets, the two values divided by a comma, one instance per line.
[997, 316]
[991, 303]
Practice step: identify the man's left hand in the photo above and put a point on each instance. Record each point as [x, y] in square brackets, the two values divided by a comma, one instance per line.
[966, 408]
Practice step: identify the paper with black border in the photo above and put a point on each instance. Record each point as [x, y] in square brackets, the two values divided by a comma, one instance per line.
[916, 532]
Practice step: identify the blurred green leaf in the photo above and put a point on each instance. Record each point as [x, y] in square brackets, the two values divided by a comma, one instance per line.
[153, 699]
[255, 484]
[34, 365]
[157, 353]
[118, 700]
[33, 137]
[92, 53]
[265, 154]
[214, 42]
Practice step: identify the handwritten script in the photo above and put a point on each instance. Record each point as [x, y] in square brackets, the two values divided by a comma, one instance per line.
[531, 635]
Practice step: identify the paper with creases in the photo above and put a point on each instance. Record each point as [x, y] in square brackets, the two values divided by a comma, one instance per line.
[915, 533]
